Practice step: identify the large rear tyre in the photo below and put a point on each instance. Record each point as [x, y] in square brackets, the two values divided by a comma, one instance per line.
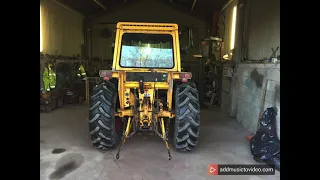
[101, 116]
[187, 119]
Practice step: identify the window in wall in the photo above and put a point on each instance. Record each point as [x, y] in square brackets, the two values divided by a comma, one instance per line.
[40, 32]
[233, 27]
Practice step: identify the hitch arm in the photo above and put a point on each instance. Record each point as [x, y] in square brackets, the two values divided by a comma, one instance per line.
[164, 137]
[126, 135]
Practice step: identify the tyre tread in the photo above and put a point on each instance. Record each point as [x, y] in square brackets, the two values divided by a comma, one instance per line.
[187, 120]
[101, 116]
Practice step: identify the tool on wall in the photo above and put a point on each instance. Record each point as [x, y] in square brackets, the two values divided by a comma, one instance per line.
[190, 37]
[274, 54]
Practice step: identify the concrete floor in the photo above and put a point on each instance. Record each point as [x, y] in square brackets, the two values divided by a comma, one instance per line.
[222, 142]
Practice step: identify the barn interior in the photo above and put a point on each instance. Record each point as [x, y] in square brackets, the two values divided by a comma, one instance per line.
[232, 50]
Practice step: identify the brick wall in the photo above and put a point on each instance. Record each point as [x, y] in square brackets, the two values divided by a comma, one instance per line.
[251, 80]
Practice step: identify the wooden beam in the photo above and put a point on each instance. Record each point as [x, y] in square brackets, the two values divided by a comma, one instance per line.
[226, 5]
[69, 8]
[100, 4]
[193, 4]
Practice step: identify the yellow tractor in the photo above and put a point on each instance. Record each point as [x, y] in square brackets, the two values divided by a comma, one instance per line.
[145, 90]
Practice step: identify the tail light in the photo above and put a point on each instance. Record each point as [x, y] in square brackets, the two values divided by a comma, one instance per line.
[187, 75]
[105, 74]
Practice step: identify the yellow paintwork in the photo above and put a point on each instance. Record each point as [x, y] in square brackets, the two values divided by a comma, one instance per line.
[126, 132]
[127, 97]
[129, 112]
[144, 111]
[163, 130]
[126, 86]
[147, 28]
